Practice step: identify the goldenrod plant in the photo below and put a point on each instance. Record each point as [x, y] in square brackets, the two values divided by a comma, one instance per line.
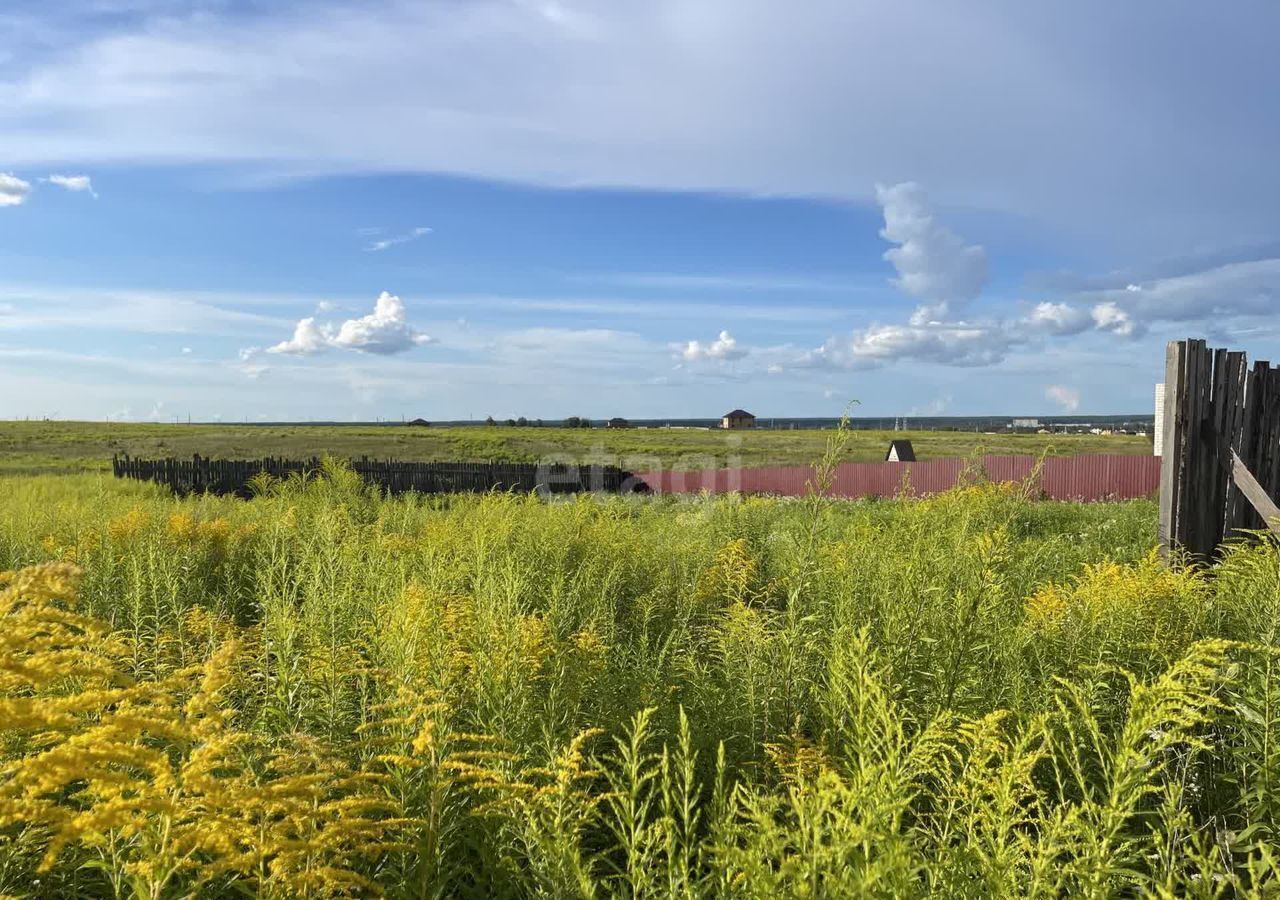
[324, 692]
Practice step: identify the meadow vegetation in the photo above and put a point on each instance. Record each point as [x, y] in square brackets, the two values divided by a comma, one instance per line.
[323, 692]
[69, 447]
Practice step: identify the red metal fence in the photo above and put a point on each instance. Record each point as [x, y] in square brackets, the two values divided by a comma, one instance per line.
[1098, 477]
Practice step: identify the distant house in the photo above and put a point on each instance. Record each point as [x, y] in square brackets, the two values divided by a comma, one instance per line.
[617, 422]
[421, 423]
[738, 418]
[900, 451]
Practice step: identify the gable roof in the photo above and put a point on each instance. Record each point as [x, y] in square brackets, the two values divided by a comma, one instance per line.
[900, 451]
[738, 414]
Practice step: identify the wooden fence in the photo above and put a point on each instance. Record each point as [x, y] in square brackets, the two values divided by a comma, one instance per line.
[233, 476]
[1221, 462]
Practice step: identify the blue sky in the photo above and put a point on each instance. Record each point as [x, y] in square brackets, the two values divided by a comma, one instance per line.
[450, 209]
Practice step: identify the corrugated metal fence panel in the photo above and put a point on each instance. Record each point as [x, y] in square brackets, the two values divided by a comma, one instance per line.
[1091, 478]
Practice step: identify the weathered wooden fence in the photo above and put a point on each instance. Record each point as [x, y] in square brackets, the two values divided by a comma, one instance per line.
[233, 476]
[1221, 462]
[1092, 477]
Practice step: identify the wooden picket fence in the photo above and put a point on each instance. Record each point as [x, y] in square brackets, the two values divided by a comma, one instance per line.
[1221, 462]
[233, 476]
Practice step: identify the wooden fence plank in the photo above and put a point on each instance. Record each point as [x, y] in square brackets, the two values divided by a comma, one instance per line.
[394, 476]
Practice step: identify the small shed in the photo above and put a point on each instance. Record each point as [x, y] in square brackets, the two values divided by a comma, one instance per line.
[738, 418]
[900, 451]
[617, 422]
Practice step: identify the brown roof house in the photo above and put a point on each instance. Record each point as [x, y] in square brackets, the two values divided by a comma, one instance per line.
[738, 418]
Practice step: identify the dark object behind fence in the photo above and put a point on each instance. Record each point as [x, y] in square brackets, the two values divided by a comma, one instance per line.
[1221, 470]
[232, 476]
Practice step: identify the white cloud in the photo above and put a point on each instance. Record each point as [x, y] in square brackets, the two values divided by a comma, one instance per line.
[934, 264]
[75, 183]
[383, 332]
[724, 347]
[1247, 288]
[1058, 319]
[308, 338]
[946, 343]
[13, 190]
[397, 239]
[668, 94]
[1110, 317]
[250, 364]
[1068, 398]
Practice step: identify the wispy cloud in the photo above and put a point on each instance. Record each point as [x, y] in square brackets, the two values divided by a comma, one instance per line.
[394, 240]
[1067, 398]
[845, 284]
[74, 183]
[131, 311]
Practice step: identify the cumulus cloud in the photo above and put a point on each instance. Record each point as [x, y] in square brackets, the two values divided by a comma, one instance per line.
[383, 332]
[75, 183]
[394, 240]
[724, 347]
[1068, 398]
[1058, 319]
[934, 264]
[13, 190]
[308, 337]
[1110, 317]
[937, 267]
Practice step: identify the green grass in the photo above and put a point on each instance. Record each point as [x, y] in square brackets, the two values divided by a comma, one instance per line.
[64, 447]
[973, 695]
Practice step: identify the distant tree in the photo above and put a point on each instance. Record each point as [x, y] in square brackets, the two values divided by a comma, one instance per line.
[573, 422]
[537, 422]
[511, 423]
[488, 420]
[522, 421]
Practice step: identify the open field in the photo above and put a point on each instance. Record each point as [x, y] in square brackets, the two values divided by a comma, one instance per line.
[33, 447]
[320, 692]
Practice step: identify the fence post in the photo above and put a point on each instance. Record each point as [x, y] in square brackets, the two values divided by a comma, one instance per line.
[1174, 392]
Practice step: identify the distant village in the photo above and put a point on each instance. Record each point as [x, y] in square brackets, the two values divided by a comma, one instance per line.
[740, 419]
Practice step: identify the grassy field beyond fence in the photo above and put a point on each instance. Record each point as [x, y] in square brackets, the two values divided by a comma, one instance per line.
[65, 447]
